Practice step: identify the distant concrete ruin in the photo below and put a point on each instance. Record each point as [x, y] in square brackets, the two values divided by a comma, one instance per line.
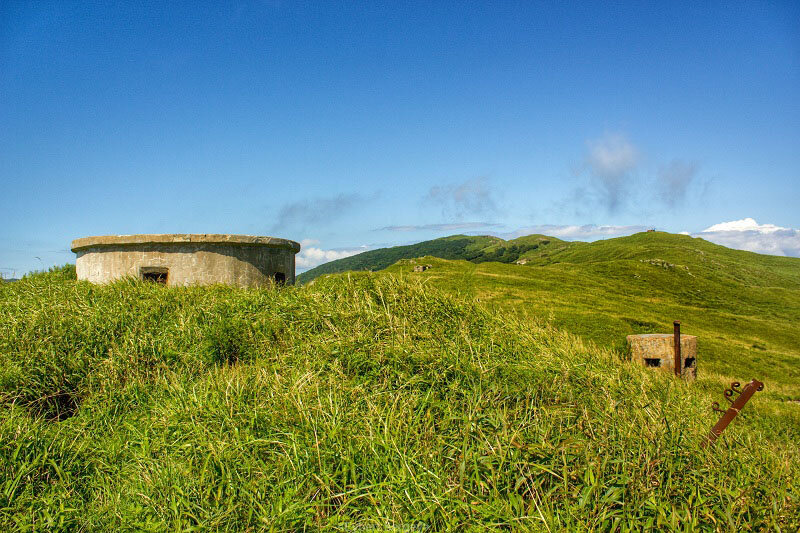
[657, 350]
[187, 259]
[422, 268]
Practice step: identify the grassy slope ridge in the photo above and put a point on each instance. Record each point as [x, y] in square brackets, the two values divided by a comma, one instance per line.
[475, 249]
[744, 307]
[363, 401]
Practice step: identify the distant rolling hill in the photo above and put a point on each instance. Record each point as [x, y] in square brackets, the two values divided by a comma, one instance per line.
[475, 249]
[744, 306]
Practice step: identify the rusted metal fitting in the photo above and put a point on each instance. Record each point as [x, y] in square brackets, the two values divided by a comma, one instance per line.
[741, 398]
[677, 333]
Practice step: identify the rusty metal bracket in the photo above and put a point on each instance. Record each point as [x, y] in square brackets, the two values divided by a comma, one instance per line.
[741, 398]
[715, 407]
[677, 347]
[734, 389]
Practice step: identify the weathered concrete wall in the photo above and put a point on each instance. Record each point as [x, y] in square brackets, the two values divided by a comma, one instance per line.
[242, 261]
[657, 350]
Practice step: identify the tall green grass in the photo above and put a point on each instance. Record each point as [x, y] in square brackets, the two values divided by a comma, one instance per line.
[361, 402]
[743, 307]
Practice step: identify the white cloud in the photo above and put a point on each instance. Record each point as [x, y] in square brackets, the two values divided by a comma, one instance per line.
[747, 234]
[311, 256]
[745, 224]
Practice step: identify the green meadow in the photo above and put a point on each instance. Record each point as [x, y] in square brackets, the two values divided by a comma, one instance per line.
[477, 395]
[743, 307]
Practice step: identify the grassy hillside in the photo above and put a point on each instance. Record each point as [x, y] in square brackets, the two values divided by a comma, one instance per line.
[744, 307]
[363, 401]
[475, 249]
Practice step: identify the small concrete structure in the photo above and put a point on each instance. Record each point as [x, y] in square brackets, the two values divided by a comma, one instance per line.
[187, 259]
[422, 268]
[657, 350]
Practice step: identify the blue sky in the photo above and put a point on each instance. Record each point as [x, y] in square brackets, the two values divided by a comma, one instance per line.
[353, 126]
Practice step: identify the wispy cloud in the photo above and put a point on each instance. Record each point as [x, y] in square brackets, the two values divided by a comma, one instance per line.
[612, 160]
[747, 234]
[470, 198]
[315, 211]
[311, 255]
[455, 226]
[587, 232]
[618, 181]
[674, 180]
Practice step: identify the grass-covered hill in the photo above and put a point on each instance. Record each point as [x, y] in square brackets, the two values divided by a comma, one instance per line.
[361, 402]
[744, 307]
[474, 249]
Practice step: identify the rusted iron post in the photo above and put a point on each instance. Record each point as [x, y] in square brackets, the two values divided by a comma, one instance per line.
[736, 406]
[677, 362]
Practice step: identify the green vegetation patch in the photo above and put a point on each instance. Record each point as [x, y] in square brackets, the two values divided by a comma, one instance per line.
[360, 402]
[479, 249]
[744, 307]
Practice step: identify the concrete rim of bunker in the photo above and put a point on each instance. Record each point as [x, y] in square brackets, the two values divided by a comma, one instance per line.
[85, 243]
[187, 259]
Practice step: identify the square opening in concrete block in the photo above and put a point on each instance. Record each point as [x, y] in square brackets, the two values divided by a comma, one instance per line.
[280, 278]
[154, 274]
[654, 362]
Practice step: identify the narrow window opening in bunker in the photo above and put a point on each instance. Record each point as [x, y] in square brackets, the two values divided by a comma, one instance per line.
[654, 362]
[280, 278]
[154, 274]
[689, 362]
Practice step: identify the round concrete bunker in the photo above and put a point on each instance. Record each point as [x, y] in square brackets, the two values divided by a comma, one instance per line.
[187, 259]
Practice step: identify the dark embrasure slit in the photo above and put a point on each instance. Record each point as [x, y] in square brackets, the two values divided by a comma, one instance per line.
[154, 274]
